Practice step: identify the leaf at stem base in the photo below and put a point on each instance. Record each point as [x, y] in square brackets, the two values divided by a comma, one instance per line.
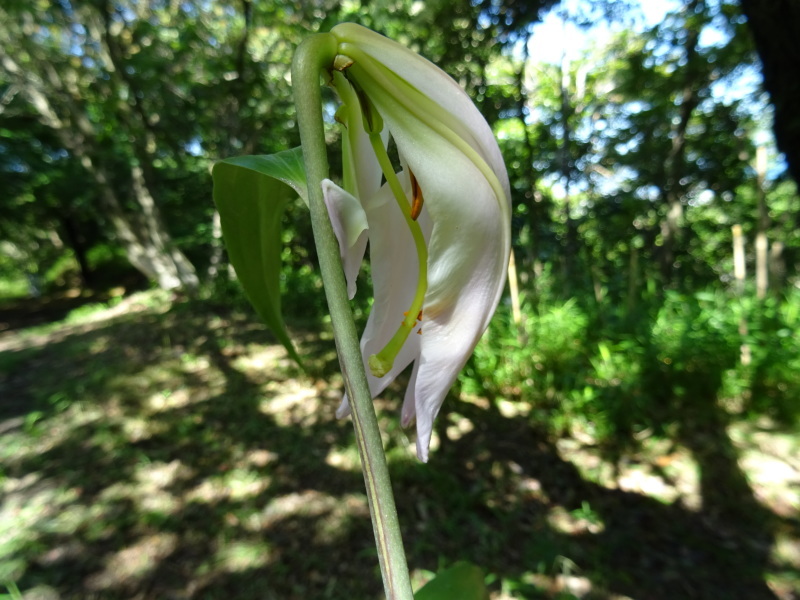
[462, 581]
[251, 193]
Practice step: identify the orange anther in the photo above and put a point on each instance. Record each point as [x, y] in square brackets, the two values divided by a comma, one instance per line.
[416, 197]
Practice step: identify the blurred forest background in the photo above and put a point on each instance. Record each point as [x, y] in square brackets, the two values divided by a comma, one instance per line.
[626, 429]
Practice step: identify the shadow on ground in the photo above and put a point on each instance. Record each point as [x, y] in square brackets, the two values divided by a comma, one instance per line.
[173, 452]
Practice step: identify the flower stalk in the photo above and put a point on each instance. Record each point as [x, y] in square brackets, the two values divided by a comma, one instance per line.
[315, 56]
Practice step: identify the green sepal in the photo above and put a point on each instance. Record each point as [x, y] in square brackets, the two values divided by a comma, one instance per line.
[463, 581]
[251, 193]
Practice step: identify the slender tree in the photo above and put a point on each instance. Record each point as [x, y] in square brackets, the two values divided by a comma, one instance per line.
[67, 67]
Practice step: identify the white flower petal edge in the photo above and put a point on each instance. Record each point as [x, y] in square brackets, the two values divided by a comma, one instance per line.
[466, 271]
[431, 82]
[350, 226]
[393, 280]
[449, 147]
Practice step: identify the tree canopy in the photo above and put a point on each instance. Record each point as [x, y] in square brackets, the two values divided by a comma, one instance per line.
[113, 113]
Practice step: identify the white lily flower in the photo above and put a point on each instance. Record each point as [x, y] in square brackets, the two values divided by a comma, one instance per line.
[439, 229]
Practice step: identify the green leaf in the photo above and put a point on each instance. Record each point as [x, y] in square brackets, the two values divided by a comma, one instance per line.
[462, 581]
[251, 193]
[286, 166]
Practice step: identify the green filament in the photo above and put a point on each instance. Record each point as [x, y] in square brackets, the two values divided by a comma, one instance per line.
[381, 362]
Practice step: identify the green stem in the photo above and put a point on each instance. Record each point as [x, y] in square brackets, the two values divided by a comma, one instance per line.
[313, 57]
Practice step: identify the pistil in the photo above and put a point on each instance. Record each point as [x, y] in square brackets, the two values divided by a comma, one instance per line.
[382, 362]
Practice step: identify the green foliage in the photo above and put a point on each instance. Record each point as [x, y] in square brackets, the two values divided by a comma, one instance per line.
[13, 285]
[607, 125]
[583, 369]
[251, 194]
[13, 591]
[611, 344]
[544, 352]
[696, 333]
[463, 581]
[774, 385]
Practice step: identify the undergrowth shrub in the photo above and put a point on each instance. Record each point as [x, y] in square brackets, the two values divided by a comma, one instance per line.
[537, 358]
[774, 373]
[613, 378]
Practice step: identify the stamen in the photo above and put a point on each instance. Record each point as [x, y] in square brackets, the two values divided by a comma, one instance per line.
[342, 62]
[373, 122]
[416, 197]
[338, 116]
[381, 362]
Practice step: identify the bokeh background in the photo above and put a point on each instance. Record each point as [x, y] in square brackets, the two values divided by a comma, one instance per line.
[627, 428]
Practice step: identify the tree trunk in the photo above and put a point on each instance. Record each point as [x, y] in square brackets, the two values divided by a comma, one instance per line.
[217, 247]
[513, 288]
[739, 266]
[739, 274]
[762, 245]
[571, 245]
[528, 198]
[672, 192]
[77, 242]
[147, 243]
[633, 279]
[174, 269]
[777, 266]
[774, 25]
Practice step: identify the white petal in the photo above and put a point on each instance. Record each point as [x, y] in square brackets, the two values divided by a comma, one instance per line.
[349, 223]
[431, 82]
[394, 264]
[469, 244]
[450, 149]
[468, 255]
[394, 267]
[446, 344]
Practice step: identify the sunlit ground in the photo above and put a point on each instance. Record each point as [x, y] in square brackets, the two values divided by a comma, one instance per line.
[159, 451]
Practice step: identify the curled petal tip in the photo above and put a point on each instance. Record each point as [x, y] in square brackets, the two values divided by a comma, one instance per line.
[424, 431]
[350, 227]
[407, 415]
[344, 408]
[422, 451]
